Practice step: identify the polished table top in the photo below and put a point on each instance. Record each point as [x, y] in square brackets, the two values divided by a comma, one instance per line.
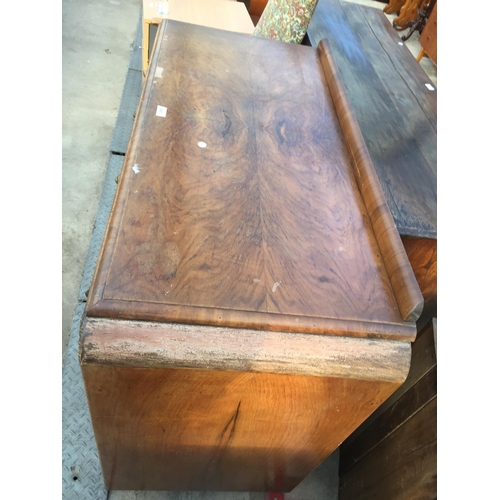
[238, 204]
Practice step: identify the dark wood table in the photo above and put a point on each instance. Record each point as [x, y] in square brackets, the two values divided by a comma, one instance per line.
[395, 104]
[252, 302]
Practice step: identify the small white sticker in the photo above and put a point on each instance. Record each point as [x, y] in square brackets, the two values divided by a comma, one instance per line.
[162, 8]
[202, 144]
[400, 43]
[135, 168]
[161, 111]
[429, 86]
[158, 72]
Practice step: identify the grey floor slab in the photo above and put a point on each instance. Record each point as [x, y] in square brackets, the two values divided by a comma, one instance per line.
[321, 484]
[108, 193]
[97, 39]
[81, 470]
[136, 58]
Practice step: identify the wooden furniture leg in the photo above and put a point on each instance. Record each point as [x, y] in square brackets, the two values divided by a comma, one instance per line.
[428, 36]
[409, 12]
[394, 6]
[420, 55]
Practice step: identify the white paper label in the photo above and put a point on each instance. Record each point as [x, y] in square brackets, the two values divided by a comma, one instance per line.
[429, 86]
[161, 111]
[162, 8]
[158, 72]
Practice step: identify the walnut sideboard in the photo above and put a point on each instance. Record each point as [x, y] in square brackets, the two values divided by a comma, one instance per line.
[252, 302]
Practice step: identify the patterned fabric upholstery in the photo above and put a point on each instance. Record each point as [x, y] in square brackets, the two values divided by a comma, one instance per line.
[285, 20]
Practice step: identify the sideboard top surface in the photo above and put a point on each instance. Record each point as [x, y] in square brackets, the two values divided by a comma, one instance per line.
[239, 200]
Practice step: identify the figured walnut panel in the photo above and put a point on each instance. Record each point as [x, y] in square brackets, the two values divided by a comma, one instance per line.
[265, 226]
[180, 429]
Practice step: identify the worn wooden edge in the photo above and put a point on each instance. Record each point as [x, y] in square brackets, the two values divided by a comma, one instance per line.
[110, 235]
[404, 285]
[412, 232]
[162, 345]
[151, 311]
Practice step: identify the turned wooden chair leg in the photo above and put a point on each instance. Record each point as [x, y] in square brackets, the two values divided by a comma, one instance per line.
[420, 55]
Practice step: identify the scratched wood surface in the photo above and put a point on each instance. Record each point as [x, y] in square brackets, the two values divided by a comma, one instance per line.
[172, 345]
[181, 429]
[240, 207]
[396, 112]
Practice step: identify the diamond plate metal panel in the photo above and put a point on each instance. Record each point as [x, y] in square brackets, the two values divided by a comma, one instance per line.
[126, 113]
[81, 470]
[108, 193]
[136, 58]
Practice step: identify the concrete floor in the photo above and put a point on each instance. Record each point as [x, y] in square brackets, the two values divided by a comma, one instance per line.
[97, 42]
[321, 484]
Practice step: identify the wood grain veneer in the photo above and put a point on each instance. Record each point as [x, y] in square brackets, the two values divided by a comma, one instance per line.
[214, 430]
[265, 227]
